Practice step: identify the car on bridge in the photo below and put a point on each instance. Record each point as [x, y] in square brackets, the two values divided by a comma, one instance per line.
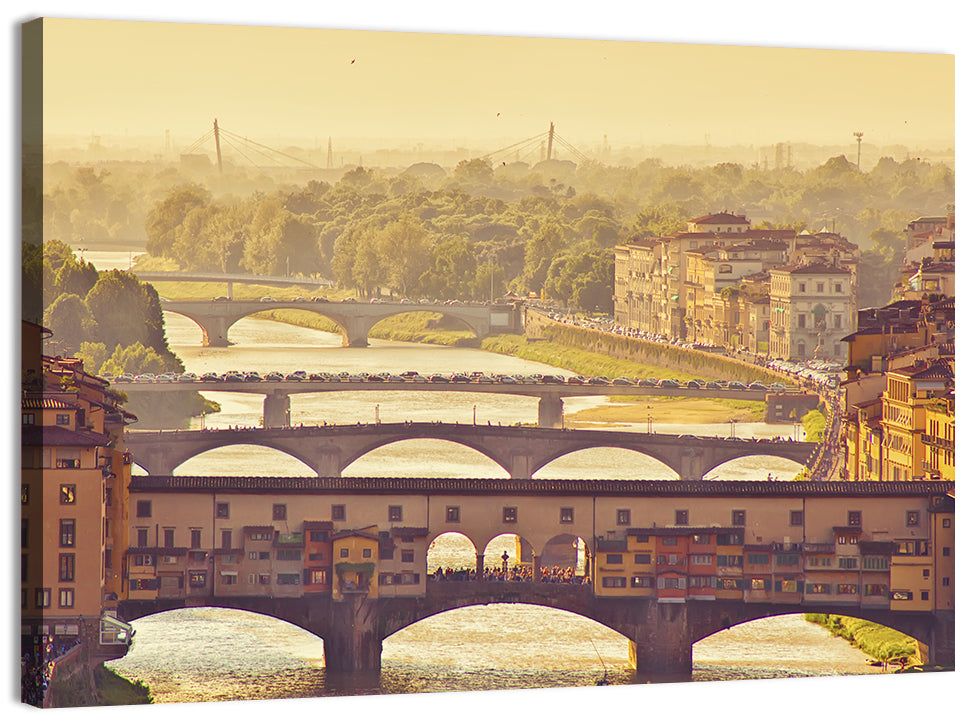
[668, 383]
[319, 299]
[145, 378]
[736, 386]
[438, 378]
[296, 376]
[622, 381]
[253, 377]
[757, 386]
[598, 381]
[268, 299]
[274, 376]
[187, 378]
[713, 385]
[417, 378]
[124, 378]
[209, 377]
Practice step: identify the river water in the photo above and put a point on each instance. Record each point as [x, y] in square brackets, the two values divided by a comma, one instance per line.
[208, 654]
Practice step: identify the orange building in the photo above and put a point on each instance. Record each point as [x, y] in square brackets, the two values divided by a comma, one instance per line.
[74, 478]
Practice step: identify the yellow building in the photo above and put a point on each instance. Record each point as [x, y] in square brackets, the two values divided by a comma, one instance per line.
[908, 393]
[938, 438]
[74, 478]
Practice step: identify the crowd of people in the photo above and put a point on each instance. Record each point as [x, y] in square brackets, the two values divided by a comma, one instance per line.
[516, 573]
[37, 667]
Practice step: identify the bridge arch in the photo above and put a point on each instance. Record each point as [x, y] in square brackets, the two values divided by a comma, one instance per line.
[782, 467]
[240, 458]
[588, 445]
[382, 443]
[214, 329]
[606, 462]
[463, 322]
[450, 549]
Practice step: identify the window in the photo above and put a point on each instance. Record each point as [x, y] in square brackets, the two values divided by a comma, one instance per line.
[663, 582]
[926, 572]
[701, 538]
[854, 519]
[729, 561]
[43, 598]
[622, 517]
[66, 598]
[913, 518]
[222, 510]
[197, 579]
[946, 581]
[875, 589]
[901, 595]
[67, 531]
[820, 588]
[668, 540]
[796, 518]
[343, 553]
[837, 320]
[338, 512]
[279, 512]
[702, 559]
[143, 509]
[25, 495]
[641, 582]
[566, 515]
[195, 538]
[366, 553]
[28, 419]
[408, 556]
[66, 567]
[63, 419]
[395, 514]
[802, 287]
[739, 518]
[407, 579]
[946, 551]
[876, 563]
[168, 538]
[288, 554]
[788, 559]
[837, 288]
[642, 559]
[319, 576]
[758, 559]
[452, 514]
[729, 539]
[846, 589]
[759, 584]
[801, 320]
[25, 532]
[614, 582]
[642, 538]
[252, 555]
[68, 494]
[316, 556]
[318, 536]
[225, 539]
[614, 558]
[846, 563]
[510, 514]
[266, 555]
[289, 579]
[682, 518]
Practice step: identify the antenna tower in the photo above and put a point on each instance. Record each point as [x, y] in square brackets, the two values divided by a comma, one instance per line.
[217, 142]
[860, 136]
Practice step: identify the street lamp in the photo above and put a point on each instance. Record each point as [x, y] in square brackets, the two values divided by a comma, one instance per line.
[473, 415]
[377, 420]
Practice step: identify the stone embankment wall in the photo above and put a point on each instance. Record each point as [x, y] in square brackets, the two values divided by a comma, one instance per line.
[711, 366]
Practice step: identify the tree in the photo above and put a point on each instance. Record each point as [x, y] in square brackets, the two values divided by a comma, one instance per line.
[71, 321]
[405, 248]
[169, 214]
[126, 312]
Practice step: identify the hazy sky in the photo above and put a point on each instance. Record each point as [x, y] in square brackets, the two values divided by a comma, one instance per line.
[142, 78]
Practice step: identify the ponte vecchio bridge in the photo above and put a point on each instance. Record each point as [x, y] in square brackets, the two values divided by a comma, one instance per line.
[667, 562]
[519, 450]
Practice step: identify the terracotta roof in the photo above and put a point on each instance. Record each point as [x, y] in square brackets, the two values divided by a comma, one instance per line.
[812, 269]
[46, 403]
[937, 369]
[721, 218]
[258, 529]
[535, 487]
[409, 531]
[319, 525]
[58, 436]
[348, 533]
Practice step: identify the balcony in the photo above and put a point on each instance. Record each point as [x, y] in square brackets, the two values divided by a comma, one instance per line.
[929, 440]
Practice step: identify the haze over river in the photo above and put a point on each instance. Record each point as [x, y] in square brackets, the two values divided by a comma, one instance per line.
[209, 654]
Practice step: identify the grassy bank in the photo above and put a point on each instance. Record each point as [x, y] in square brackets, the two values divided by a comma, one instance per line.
[878, 642]
[110, 689]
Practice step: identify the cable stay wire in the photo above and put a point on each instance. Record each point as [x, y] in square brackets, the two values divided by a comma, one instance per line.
[274, 151]
[199, 142]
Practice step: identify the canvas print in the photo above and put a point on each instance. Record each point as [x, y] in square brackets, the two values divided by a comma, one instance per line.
[369, 363]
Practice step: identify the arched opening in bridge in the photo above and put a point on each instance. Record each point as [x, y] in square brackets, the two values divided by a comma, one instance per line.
[564, 559]
[451, 551]
[755, 468]
[606, 463]
[207, 653]
[425, 458]
[244, 460]
[181, 330]
[418, 324]
[525, 645]
[784, 645]
[508, 555]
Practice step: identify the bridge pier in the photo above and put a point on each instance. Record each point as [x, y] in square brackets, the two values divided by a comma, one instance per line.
[215, 332]
[352, 642]
[277, 410]
[355, 332]
[941, 646]
[550, 411]
[661, 645]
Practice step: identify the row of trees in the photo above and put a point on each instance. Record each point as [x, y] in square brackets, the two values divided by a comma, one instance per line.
[110, 320]
[480, 230]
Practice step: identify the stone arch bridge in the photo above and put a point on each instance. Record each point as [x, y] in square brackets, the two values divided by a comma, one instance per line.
[520, 451]
[215, 317]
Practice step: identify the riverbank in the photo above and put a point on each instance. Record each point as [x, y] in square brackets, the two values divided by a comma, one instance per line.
[108, 689]
[882, 644]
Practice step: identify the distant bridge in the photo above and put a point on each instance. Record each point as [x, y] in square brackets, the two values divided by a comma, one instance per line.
[520, 451]
[277, 401]
[231, 279]
[355, 319]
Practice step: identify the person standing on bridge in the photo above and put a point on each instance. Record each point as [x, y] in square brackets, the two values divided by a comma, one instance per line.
[505, 561]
